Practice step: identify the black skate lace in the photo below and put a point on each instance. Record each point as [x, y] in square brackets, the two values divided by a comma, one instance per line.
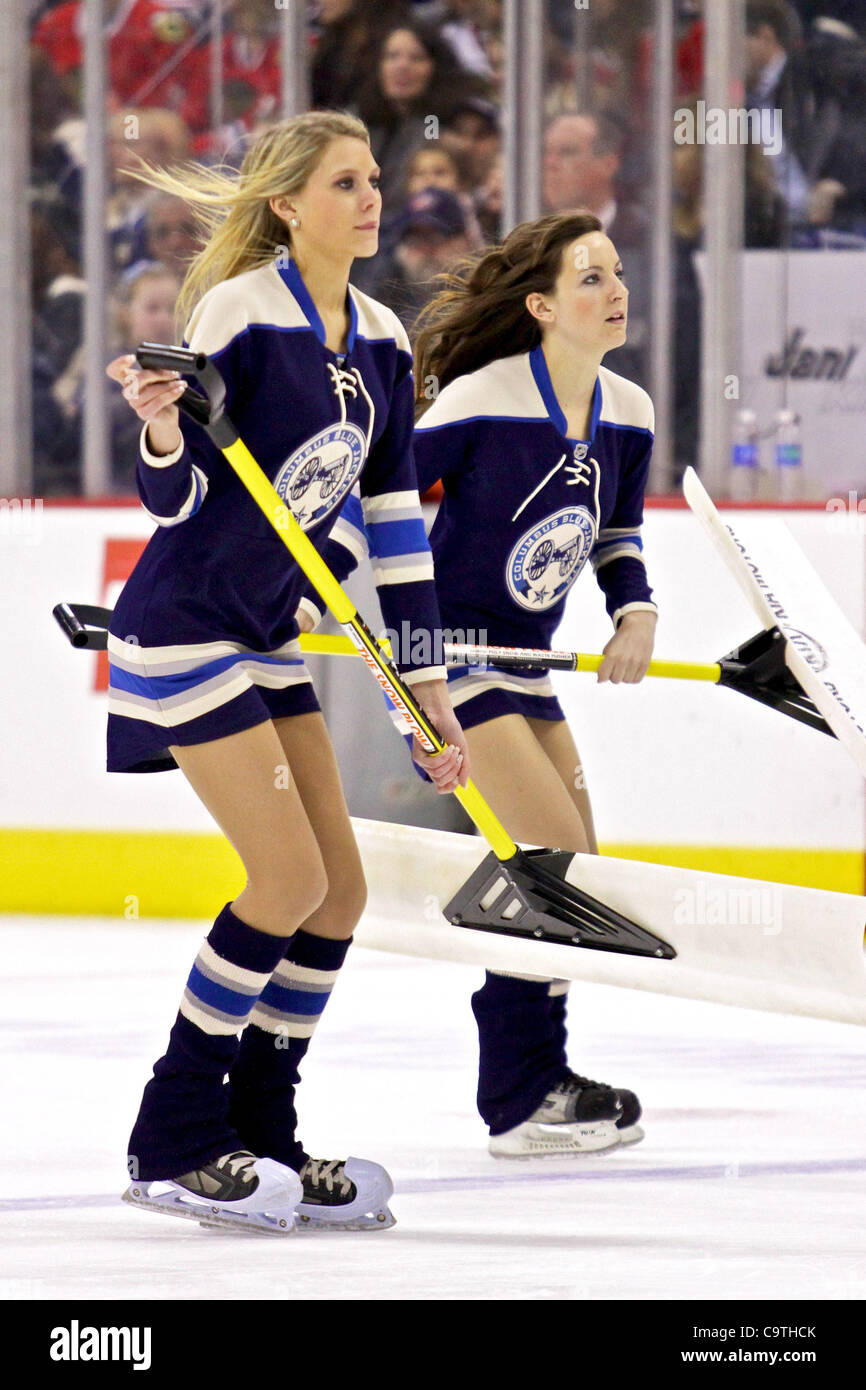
[582, 1083]
[241, 1162]
[579, 1083]
[319, 1171]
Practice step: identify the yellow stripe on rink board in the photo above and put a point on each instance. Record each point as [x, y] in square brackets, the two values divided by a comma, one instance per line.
[111, 873]
[183, 874]
[835, 870]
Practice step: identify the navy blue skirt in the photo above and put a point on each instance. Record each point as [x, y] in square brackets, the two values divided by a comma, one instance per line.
[160, 696]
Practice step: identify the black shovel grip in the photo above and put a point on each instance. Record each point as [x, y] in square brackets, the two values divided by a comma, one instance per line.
[208, 412]
[163, 357]
[74, 618]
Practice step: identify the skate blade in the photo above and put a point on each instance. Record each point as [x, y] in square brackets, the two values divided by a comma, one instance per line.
[549, 1141]
[632, 1134]
[206, 1214]
[381, 1220]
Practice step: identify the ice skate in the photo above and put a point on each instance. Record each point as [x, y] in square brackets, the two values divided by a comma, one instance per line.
[235, 1192]
[345, 1195]
[630, 1132]
[578, 1116]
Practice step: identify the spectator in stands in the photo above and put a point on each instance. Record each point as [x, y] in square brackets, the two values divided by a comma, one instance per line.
[773, 83]
[52, 104]
[472, 133]
[467, 25]
[433, 166]
[410, 94]
[157, 136]
[58, 312]
[251, 77]
[57, 286]
[142, 310]
[496, 59]
[687, 228]
[347, 46]
[598, 73]
[834, 66]
[850, 13]
[151, 48]
[489, 202]
[581, 162]
[56, 437]
[434, 236]
[415, 79]
[167, 232]
[764, 223]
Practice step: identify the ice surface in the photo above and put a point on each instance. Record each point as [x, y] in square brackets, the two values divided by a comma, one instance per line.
[749, 1183]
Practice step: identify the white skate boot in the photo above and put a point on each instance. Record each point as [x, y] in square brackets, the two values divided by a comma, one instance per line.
[345, 1195]
[578, 1116]
[236, 1191]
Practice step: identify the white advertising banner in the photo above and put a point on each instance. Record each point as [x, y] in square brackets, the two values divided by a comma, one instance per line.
[667, 762]
[803, 348]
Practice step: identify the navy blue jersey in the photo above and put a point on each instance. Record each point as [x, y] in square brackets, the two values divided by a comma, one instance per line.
[525, 506]
[319, 423]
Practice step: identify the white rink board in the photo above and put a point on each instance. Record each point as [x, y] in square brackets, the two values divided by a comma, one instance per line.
[666, 762]
[688, 763]
[737, 941]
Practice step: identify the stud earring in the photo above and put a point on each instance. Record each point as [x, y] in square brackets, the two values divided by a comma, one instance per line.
[294, 222]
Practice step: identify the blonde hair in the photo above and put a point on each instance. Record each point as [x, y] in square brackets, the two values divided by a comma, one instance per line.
[239, 229]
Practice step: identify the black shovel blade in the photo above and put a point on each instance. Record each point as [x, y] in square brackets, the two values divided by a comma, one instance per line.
[527, 896]
[757, 668]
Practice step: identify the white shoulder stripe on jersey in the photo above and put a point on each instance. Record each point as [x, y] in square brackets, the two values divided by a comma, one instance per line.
[503, 389]
[624, 403]
[256, 296]
[377, 321]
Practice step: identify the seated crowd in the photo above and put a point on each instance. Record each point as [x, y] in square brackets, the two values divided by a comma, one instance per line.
[427, 78]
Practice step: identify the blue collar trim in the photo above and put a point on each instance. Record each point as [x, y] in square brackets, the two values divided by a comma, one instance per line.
[538, 365]
[291, 278]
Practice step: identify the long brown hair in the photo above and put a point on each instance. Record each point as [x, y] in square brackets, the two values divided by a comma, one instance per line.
[481, 312]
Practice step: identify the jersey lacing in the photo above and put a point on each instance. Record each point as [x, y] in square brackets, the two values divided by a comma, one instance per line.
[349, 383]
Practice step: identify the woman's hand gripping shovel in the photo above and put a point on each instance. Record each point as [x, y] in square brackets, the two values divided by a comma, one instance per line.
[516, 892]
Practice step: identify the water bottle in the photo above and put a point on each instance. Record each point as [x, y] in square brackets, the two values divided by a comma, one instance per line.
[789, 456]
[743, 473]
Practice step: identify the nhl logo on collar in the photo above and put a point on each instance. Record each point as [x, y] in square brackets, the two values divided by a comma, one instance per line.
[546, 560]
[317, 476]
[580, 452]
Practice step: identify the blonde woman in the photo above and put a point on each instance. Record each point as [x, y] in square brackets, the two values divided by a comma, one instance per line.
[543, 455]
[205, 667]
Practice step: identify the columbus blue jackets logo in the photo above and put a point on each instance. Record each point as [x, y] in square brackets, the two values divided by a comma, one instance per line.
[546, 561]
[318, 475]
